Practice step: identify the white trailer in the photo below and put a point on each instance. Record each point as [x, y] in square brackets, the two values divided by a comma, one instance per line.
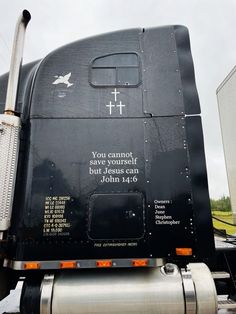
[226, 95]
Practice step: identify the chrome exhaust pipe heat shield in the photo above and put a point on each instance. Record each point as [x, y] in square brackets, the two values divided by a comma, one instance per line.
[9, 149]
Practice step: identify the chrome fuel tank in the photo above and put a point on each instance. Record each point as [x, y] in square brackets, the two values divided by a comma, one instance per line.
[129, 291]
[164, 290]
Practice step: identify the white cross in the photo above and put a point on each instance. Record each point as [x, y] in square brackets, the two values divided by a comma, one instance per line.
[120, 106]
[115, 94]
[110, 107]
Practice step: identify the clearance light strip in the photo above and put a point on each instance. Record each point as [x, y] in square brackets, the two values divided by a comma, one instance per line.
[76, 264]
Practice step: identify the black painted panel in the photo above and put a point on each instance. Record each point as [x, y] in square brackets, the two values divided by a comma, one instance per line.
[128, 154]
[116, 216]
[71, 160]
[164, 77]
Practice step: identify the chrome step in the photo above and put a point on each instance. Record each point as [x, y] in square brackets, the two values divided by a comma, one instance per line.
[220, 275]
[226, 304]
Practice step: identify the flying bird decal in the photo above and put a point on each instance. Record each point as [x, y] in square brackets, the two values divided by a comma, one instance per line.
[63, 80]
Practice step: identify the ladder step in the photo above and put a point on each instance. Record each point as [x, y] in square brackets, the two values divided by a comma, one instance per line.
[220, 275]
[226, 304]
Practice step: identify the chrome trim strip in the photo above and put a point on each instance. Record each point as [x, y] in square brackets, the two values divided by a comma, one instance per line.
[189, 291]
[46, 294]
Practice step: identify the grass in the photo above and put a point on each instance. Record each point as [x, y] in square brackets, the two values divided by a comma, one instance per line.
[226, 216]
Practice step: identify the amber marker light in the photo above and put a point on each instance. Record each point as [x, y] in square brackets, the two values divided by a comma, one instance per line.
[31, 265]
[68, 264]
[140, 262]
[184, 251]
[104, 263]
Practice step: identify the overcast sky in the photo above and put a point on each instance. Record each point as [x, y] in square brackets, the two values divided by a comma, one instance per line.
[211, 23]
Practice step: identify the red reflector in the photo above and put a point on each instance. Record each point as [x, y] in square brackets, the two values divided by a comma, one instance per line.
[184, 251]
[104, 263]
[139, 262]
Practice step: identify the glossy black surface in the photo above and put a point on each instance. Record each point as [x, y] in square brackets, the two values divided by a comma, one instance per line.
[113, 171]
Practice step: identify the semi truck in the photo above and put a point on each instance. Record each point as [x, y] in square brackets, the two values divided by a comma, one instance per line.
[103, 185]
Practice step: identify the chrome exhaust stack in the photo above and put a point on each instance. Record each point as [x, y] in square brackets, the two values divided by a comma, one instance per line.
[10, 126]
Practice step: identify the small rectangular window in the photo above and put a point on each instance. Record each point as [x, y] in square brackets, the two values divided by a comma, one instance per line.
[121, 69]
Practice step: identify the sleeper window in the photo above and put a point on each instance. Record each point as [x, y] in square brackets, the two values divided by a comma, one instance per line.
[122, 69]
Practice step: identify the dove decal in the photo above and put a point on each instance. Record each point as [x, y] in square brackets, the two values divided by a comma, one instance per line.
[63, 80]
